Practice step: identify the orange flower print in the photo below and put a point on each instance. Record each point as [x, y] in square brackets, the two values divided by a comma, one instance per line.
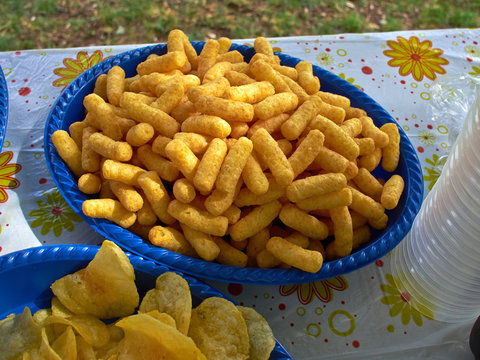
[7, 182]
[74, 67]
[416, 58]
[323, 290]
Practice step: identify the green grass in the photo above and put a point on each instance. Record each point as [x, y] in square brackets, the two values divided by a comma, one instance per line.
[30, 24]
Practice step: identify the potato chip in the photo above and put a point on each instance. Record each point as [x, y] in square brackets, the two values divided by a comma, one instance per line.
[40, 316]
[116, 333]
[84, 350]
[163, 317]
[93, 330]
[105, 288]
[260, 334]
[9, 317]
[59, 309]
[45, 351]
[18, 334]
[219, 330]
[66, 345]
[148, 338]
[108, 351]
[172, 296]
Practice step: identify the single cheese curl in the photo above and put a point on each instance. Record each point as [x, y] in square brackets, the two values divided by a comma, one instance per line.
[207, 125]
[68, 151]
[301, 221]
[392, 191]
[296, 124]
[111, 149]
[164, 168]
[306, 152]
[262, 71]
[341, 246]
[207, 57]
[229, 110]
[89, 183]
[271, 154]
[294, 255]
[306, 79]
[250, 93]
[203, 244]
[156, 194]
[259, 218]
[115, 84]
[326, 201]
[370, 130]
[125, 173]
[197, 219]
[275, 105]
[127, 195]
[391, 152]
[109, 209]
[233, 165]
[315, 185]
[209, 166]
[164, 63]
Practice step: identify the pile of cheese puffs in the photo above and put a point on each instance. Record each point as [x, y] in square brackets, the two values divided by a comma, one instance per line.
[246, 163]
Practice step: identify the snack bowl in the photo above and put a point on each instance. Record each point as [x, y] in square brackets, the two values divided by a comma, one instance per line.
[26, 276]
[69, 108]
[3, 107]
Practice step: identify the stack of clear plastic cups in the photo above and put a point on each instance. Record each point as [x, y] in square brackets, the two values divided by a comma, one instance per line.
[438, 263]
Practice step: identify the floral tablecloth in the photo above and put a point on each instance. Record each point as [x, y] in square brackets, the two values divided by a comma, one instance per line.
[360, 315]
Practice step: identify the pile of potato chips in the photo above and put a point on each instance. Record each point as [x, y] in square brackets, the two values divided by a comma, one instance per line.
[164, 327]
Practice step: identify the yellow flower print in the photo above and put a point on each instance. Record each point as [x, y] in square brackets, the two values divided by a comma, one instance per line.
[426, 137]
[402, 303]
[415, 57]
[7, 182]
[74, 67]
[472, 50]
[323, 290]
[325, 58]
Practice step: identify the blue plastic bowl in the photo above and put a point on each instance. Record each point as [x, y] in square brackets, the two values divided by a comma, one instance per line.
[3, 107]
[69, 108]
[26, 276]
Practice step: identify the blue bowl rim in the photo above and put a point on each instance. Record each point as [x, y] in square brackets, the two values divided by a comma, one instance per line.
[3, 107]
[211, 270]
[42, 254]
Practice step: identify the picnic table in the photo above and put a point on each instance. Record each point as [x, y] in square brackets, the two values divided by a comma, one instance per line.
[359, 315]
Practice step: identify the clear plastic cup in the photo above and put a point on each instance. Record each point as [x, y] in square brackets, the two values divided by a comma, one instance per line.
[438, 262]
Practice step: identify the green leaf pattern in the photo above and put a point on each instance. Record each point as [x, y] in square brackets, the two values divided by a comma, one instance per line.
[53, 214]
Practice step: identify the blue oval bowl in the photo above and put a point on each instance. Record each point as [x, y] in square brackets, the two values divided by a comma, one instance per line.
[3, 107]
[69, 108]
[26, 276]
